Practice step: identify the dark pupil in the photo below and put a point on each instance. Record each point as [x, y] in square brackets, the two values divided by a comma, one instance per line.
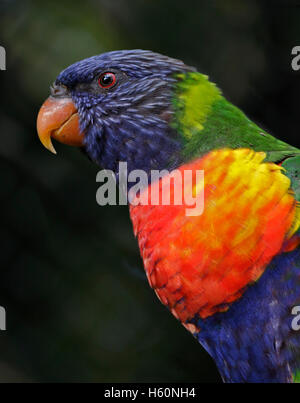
[106, 79]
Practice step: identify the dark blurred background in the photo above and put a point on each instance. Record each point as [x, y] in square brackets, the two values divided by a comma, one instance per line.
[78, 304]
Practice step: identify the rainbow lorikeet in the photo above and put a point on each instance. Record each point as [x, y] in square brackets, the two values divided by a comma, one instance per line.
[231, 275]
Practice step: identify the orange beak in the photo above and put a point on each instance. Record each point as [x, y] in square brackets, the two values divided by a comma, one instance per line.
[58, 118]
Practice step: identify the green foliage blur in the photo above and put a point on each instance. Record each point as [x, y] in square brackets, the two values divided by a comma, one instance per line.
[78, 305]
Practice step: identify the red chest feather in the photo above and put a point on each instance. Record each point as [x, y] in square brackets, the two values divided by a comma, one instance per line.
[200, 264]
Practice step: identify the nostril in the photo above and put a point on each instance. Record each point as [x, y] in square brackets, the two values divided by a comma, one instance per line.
[59, 90]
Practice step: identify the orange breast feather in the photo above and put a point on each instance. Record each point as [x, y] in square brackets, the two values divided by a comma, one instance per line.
[201, 264]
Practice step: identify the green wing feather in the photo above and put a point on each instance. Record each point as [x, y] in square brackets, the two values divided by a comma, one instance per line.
[206, 120]
[292, 167]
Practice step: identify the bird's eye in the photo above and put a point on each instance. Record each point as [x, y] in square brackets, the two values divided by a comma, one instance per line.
[107, 80]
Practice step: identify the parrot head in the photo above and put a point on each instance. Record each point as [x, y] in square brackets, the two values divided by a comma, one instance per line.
[116, 106]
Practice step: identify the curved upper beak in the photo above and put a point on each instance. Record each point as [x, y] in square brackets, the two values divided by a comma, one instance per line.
[58, 119]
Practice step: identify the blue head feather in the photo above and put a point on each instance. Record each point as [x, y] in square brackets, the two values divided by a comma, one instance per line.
[130, 121]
